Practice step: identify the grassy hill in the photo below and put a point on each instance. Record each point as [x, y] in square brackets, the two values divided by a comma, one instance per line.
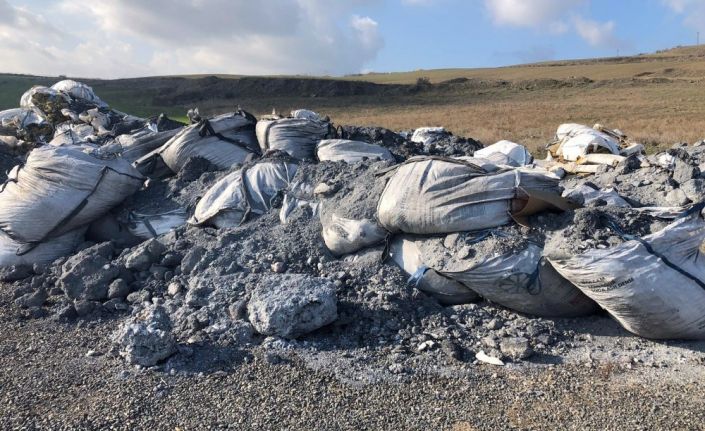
[656, 98]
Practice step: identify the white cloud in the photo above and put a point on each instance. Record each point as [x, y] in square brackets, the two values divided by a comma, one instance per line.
[693, 12]
[118, 38]
[597, 34]
[531, 13]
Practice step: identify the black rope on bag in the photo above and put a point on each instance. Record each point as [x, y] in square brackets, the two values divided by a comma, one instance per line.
[246, 195]
[535, 277]
[205, 129]
[477, 169]
[612, 225]
[387, 245]
[340, 132]
[31, 245]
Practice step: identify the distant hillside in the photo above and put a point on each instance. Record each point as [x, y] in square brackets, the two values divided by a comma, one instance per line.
[656, 98]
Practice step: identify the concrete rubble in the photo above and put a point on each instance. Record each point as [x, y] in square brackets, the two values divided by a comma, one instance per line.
[270, 281]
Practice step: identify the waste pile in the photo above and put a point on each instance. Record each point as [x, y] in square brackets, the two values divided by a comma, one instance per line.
[340, 244]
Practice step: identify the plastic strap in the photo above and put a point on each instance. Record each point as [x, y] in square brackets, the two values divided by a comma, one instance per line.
[29, 246]
[205, 129]
[478, 169]
[150, 228]
[417, 276]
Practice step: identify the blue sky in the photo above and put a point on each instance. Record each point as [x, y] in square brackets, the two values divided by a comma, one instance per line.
[123, 38]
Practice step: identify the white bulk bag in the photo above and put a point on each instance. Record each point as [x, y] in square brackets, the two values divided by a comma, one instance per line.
[296, 136]
[61, 188]
[225, 141]
[654, 286]
[79, 90]
[577, 141]
[406, 254]
[47, 100]
[17, 253]
[229, 201]
[439, 195]
[306, 114]
[72, 134]
[137, 145]
[517, 154]
[25, 123]
[589, 194]
[344, 235]
[337, 150]
[146, 226]
[521, 281]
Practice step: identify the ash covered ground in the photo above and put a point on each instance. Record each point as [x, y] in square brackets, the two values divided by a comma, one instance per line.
[137, 326]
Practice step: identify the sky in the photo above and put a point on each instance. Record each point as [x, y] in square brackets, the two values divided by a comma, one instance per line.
[127, 38]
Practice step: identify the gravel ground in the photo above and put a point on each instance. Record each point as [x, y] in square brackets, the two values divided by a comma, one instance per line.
[49, 380]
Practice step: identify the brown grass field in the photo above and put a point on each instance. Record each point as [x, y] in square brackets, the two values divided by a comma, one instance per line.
[657, 99]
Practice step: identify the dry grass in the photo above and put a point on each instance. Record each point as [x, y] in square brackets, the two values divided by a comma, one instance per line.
[655, 114]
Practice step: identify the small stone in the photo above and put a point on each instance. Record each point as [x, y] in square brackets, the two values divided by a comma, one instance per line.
[67, 312]
[116, 305]
[516, 348]
[118, 289]
[144, 255]
[278, 267]
[174, 288]
[322, 189]
[33, 299]
[84, 307]
[139, 296]
[494, 324]
[93, 353]
[191, 259]
[490, 342]
[426, 345]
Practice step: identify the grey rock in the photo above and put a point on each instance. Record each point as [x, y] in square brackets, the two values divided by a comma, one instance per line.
[292, 305]
[87, 274]
[516, 348]
[494, 324]
[144, 255]
[174, 288]
[684, 171]
[118, 289]
[694, 189]
[278, 267]
[84, 307]
[191, 259]
[677, 197]
[116, 305]
[146, 338]
[15, 273]
[139, 296]
[33, 299]
[66, 312]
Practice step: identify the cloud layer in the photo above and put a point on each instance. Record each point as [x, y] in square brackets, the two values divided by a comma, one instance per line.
[114, 38]
[556, 16]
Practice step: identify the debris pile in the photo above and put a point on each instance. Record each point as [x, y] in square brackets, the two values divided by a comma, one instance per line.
[346, 245]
